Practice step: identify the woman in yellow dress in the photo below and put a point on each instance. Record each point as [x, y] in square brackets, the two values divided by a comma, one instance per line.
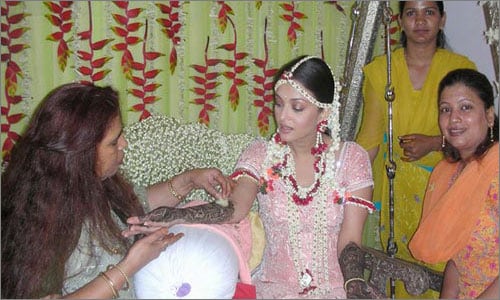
[416, 70]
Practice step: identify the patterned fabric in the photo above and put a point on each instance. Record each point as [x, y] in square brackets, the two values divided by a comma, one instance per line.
[87, 261]
[477, 263]
[414, 111]
[277, 276]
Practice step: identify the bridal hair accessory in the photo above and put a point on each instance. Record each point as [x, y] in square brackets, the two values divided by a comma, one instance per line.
[334, 107]
[287, 77]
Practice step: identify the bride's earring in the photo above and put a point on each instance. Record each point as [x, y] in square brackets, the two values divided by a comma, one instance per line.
[320, 145]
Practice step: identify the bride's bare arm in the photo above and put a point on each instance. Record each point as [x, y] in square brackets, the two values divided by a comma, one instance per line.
[206, 214]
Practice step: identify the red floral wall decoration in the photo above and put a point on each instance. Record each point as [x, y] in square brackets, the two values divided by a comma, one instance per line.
[60, 17]
[130, 45]
[292, 16]
[205, 86]
[264, 88]
[11, 33]
[93, 70]
[146, 87]
[171, 27]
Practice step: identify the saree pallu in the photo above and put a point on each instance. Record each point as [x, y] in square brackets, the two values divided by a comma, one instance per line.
[460, 221]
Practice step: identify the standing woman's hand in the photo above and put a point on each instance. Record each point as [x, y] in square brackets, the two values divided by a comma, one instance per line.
[416, 146]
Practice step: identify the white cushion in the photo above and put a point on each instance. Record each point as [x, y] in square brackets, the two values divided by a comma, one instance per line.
[201, 265]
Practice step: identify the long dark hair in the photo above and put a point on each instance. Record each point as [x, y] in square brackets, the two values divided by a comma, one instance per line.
[50, 188]
[441, 38]
[480, 84]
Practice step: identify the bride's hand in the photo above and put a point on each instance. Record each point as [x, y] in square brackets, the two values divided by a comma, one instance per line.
[151, 221]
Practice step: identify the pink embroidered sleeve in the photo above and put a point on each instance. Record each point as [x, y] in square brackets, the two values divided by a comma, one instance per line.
[250, 160]
[355, 167]
[356, 173]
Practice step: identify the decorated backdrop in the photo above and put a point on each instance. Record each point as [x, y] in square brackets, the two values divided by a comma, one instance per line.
[210, 62]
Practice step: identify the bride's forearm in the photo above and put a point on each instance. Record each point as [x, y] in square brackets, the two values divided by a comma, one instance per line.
[210, 213]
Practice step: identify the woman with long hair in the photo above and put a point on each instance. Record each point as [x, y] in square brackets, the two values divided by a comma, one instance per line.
[64, 203]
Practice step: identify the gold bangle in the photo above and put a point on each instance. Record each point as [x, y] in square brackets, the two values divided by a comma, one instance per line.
[171, 188]
[110, 284]
[127, 281]
[352, 279]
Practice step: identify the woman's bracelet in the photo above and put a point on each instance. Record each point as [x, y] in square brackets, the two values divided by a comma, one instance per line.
[171, 188]
[110, 284]
[352, 279]
[127, 281]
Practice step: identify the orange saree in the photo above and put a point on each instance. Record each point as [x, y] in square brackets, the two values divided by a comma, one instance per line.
[450, 212]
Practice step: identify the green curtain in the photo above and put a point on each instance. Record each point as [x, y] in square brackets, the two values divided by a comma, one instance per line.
[198, 61]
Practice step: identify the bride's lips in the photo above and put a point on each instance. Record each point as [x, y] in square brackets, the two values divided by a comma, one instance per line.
[285, 129]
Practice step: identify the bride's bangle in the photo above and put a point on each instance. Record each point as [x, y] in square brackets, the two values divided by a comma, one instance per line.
[352, 279]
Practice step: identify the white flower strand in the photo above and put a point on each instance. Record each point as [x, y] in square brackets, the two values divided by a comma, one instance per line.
[302, 192]
[319, 264]
[287, 77]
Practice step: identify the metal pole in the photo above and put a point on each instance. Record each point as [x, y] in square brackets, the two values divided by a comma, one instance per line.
[390, 166]
[366, 17]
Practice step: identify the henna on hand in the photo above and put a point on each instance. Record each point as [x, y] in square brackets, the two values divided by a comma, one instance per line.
[352, 261]
[363, 290]
[211, 213]
[352, 264]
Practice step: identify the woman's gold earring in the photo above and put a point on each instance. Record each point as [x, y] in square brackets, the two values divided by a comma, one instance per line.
[443, 143]
[491, 134]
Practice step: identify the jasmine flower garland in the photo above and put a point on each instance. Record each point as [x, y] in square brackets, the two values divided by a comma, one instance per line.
[161, 147]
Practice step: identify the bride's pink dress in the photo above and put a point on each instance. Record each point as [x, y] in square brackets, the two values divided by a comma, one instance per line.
[277, 276]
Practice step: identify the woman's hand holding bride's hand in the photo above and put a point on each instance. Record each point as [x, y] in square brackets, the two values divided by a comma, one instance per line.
[138, 229]
[163, 216]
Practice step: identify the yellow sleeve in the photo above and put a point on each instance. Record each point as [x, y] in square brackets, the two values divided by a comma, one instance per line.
[371, 131]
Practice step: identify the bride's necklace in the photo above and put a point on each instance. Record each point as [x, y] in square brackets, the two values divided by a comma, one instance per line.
[302, 195]
[280, 163]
